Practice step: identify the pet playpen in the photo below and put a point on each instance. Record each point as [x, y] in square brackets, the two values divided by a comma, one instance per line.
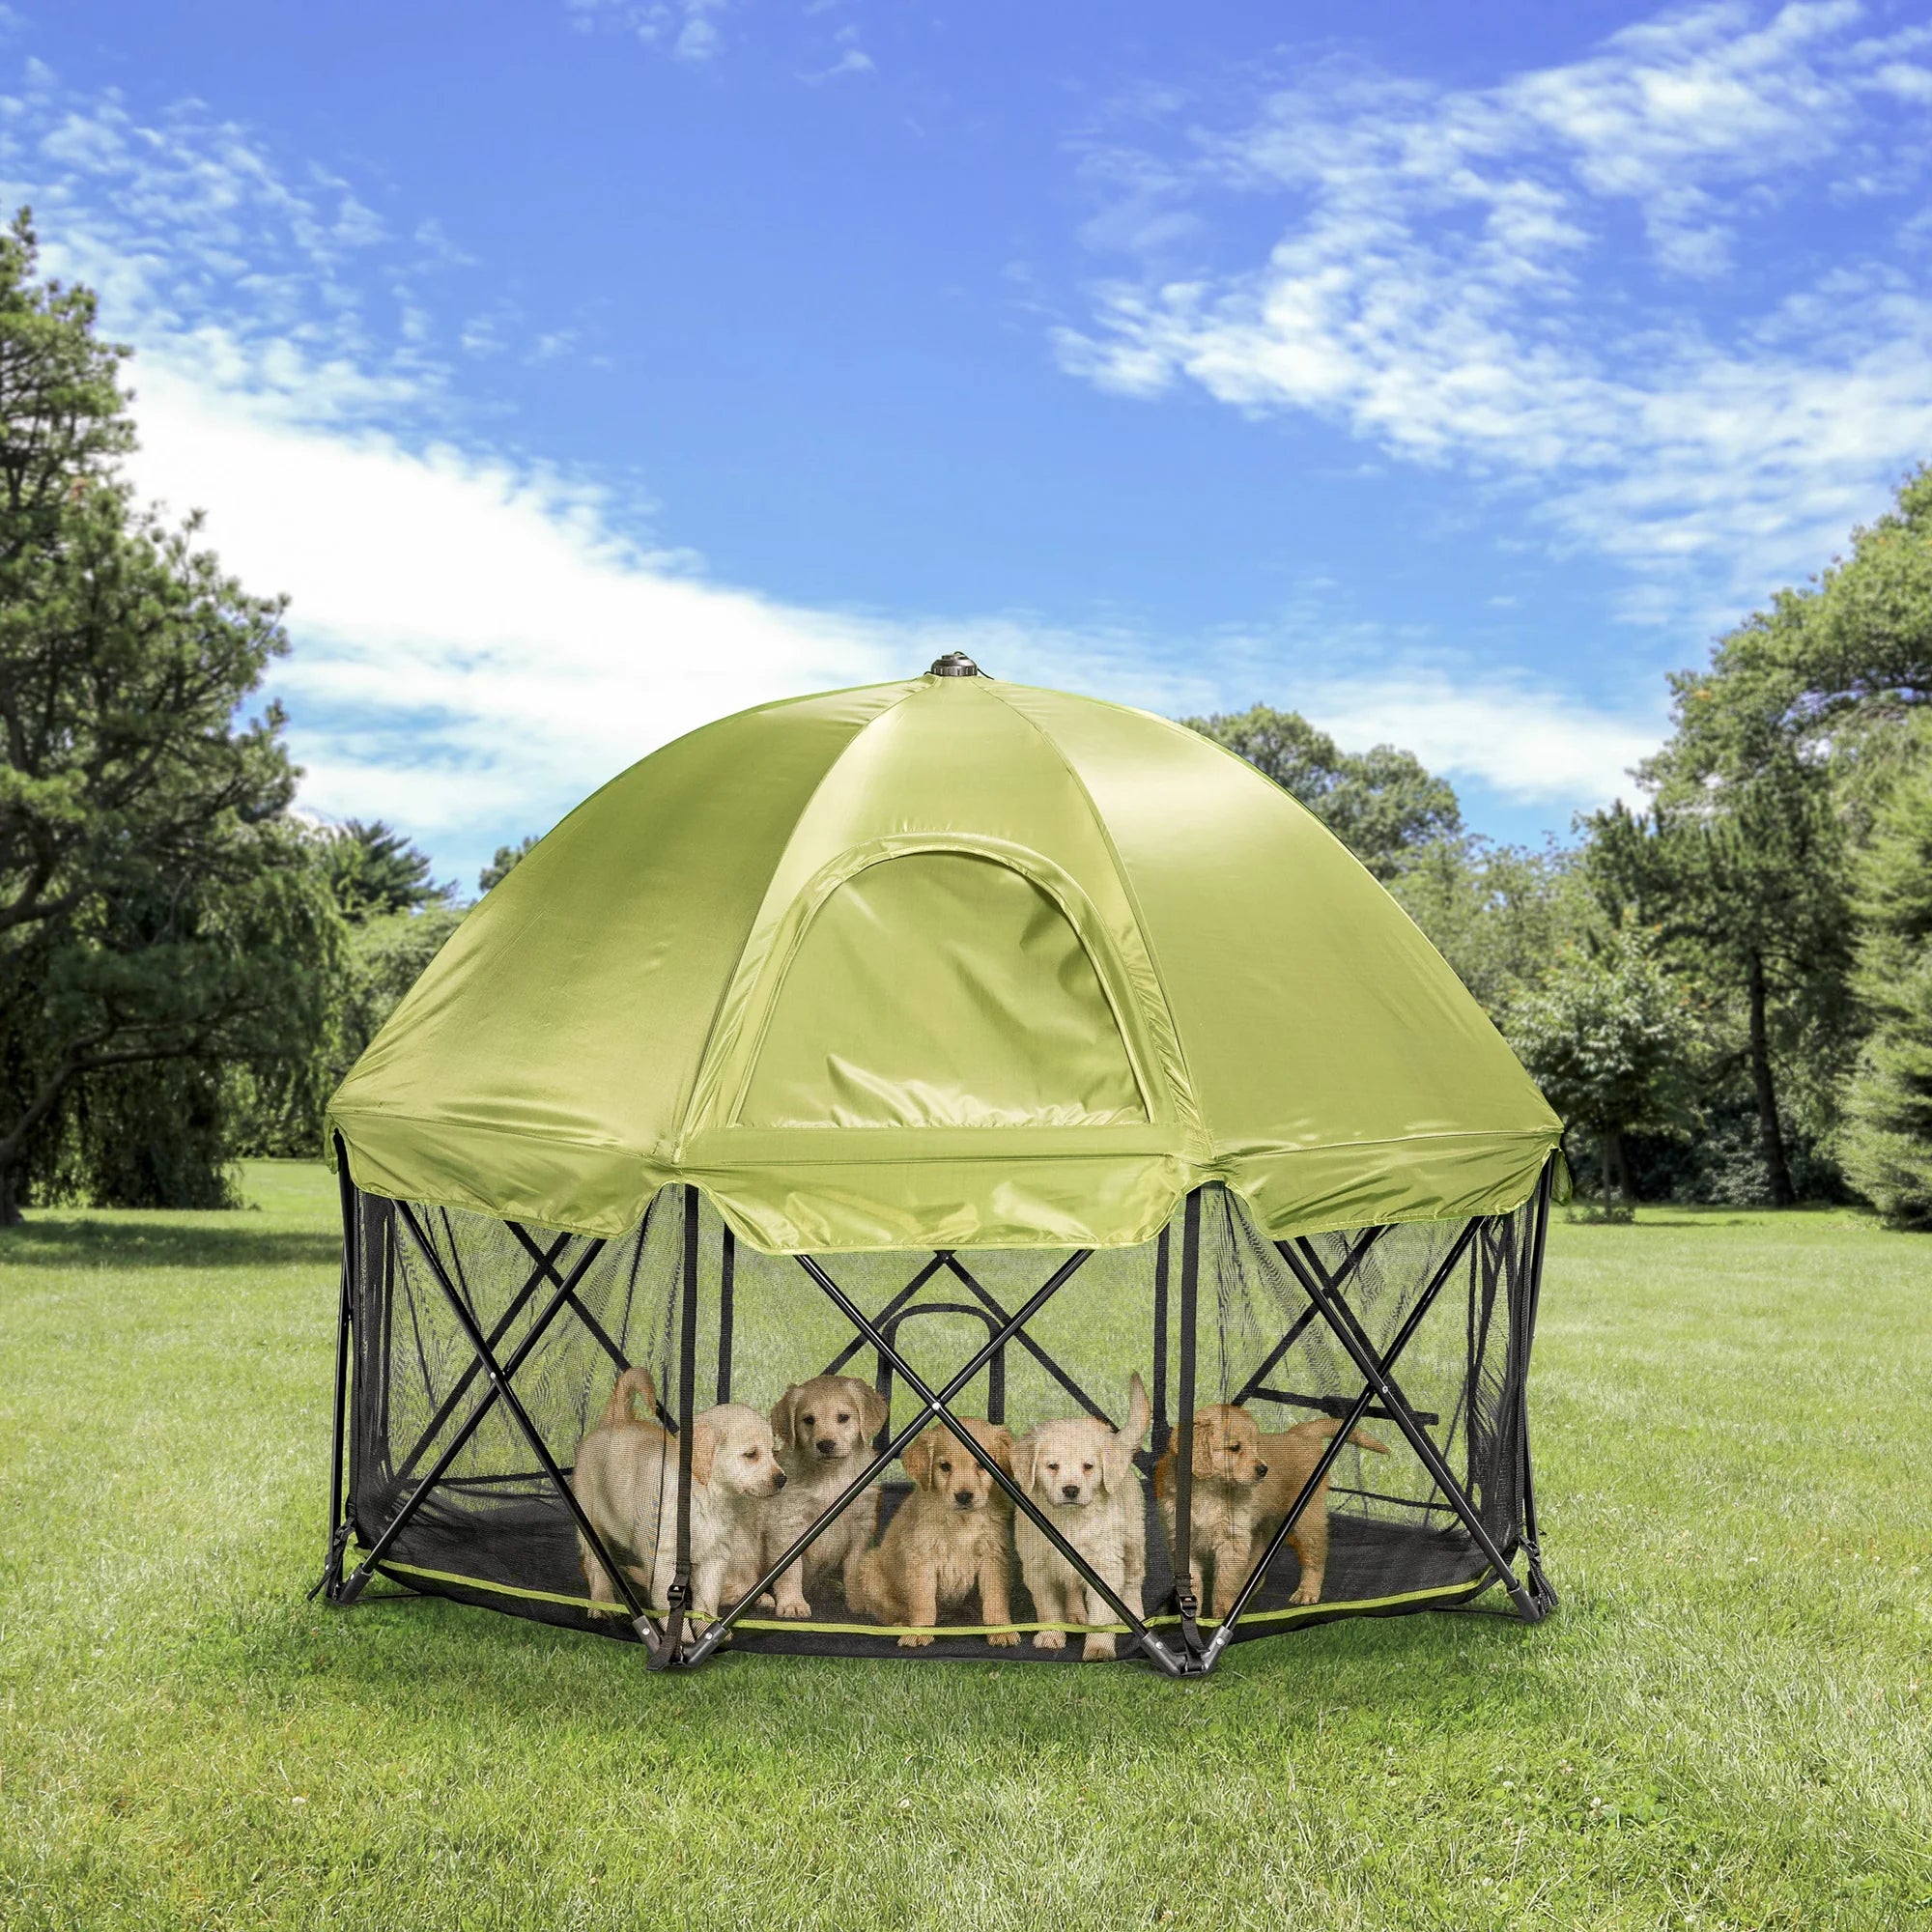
[990, 1045]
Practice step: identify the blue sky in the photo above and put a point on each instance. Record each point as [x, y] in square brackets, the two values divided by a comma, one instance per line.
[585, 368]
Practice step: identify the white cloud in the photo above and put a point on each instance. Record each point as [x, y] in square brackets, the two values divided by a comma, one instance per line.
[688, 28]
[478, 642]
[1455, 285]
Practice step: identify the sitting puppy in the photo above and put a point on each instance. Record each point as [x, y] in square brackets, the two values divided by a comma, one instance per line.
[1227, 1464]
[822, 1429]
[1080, 1474]
[946, 1540]
[1291, 1455]
[626, 1483]
[1225, 1516]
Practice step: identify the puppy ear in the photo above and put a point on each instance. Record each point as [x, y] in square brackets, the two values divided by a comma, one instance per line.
[917, 1455]
[643, 1393]
[1025, 1451]
[704, 1449]
[1204, 1445]
[785, 1412]
[999, 1443]
[875, 1410]
[1163, 1474]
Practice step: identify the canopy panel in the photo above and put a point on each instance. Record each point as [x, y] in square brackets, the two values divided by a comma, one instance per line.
[950, 962]
[941, 989]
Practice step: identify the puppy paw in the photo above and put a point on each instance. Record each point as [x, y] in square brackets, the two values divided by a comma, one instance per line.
[1049, 1639]
[1097, 1646]
[914, 1640]
[1306, 1592]
[796, 1607]
[766, 1602]
[1003, 1639]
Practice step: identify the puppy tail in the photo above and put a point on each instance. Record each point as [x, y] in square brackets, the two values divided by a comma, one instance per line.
[1328, 1428]
[633, 1383]
[1140, 1412]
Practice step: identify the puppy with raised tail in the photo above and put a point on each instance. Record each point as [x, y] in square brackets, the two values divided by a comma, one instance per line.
[1291, 1455]
[947, 1540]
[1080, 1473]
[1238, 1474]
[823, 1429]
[626, 1482]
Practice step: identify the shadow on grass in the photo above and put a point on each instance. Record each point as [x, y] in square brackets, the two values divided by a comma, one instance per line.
[428, 1652]
[54, 1240]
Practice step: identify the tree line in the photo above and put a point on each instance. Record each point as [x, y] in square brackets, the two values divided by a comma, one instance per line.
[1727, 993]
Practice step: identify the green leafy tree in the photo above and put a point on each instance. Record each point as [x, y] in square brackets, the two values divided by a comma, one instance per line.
[158, 905]
[373, 869]
[1744, 879]
[1782, 752]
[1381, 803]
[1887, 1142]
[500, 868]
[1498, 914]
[1611, 1035]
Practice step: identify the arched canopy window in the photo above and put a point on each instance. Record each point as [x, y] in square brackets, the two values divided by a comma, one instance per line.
[941, 989]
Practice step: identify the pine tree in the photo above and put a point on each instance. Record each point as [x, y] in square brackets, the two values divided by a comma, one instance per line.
[158, 906]
[1888, 1140]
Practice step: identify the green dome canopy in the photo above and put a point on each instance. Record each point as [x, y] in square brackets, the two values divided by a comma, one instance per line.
[946, 963]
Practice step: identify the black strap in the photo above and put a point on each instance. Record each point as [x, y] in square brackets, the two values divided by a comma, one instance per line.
[727, 1277]
[679, 1596]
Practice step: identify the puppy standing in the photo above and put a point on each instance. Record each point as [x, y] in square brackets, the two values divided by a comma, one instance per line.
[1291, 1455]
[948, 1538]
[1081, 1474]
[1235, 1483]
[626, 1481]
[822, 1429]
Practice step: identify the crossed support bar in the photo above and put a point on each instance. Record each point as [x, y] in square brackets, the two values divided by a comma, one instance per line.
[1192, 1654]
[500, 1377]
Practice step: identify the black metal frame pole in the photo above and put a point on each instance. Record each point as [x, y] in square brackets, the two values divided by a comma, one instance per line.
[1371, 1368]
[1185, 1602]
[330, 1579]
[867, 1333]
[1337, 1442]
[927, 1270]
[499, 1375]
[936, 1409]
[1540, 1585]
[1350, 1262]
[1041, 1355]
[546, 1269]
[501, 1385]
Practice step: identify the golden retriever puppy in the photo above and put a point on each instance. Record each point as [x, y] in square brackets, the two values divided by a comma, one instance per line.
[946, 1540]
[626, 1483]
[823, 1429]
[1081, 1475]
[1289, 1456]
[1226, 1464]
[1235, 1479]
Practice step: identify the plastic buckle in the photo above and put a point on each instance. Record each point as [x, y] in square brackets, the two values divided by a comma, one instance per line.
[670, 1650]
[1193, 1652]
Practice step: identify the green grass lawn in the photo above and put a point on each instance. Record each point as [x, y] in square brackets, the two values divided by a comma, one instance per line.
[1726, 1726]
